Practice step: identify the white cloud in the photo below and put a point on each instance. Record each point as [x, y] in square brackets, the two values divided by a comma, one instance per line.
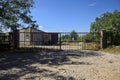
[92, 4]
[40, 26]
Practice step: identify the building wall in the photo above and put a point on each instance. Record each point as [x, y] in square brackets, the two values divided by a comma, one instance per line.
[36, 36]
[32, 36]
[24, 37]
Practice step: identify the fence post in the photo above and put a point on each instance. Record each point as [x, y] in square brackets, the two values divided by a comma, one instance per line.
[60, 41]
[16, 39]
[103, 39]
[9, 39]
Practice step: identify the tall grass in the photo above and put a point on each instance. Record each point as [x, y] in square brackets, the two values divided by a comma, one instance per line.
[112, 49]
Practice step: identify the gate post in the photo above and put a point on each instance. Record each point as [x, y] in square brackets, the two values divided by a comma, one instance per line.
[103, 39]
[10, 40]
[16, 39]
[60, 42]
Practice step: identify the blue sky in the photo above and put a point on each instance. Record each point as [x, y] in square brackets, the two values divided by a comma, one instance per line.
[68, 15]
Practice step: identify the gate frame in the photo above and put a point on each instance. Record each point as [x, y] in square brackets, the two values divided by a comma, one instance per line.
[103, 39]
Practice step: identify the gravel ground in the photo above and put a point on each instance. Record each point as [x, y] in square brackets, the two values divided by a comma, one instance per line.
[82, 65]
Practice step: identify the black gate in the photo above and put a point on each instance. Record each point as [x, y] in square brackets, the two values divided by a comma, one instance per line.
[60, 40]
[80, 41]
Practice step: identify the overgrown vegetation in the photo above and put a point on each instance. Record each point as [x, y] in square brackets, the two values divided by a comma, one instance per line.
[112, 49]
[111, 23]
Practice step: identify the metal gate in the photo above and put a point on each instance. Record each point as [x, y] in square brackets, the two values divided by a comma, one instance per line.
[80, 41]
[60, 40]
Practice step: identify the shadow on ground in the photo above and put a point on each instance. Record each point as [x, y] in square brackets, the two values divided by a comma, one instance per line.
[23, 61]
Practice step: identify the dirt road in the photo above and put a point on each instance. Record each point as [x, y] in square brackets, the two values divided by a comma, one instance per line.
[82, 65]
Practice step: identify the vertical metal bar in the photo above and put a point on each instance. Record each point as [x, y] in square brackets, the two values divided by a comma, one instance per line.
[9, 40]
[60, 41]
[24, 39]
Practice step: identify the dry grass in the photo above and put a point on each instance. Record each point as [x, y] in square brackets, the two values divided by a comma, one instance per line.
[112, 49]
[91, 46]
[82, 45]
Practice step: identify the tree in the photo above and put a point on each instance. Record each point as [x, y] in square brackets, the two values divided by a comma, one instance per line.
[15, 13]
[65, 37]
[73, 35]
[109, 22]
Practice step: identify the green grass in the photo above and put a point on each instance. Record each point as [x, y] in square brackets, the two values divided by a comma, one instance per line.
[112, 50]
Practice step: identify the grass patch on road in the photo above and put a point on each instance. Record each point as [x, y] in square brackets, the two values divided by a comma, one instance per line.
[112, 49]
